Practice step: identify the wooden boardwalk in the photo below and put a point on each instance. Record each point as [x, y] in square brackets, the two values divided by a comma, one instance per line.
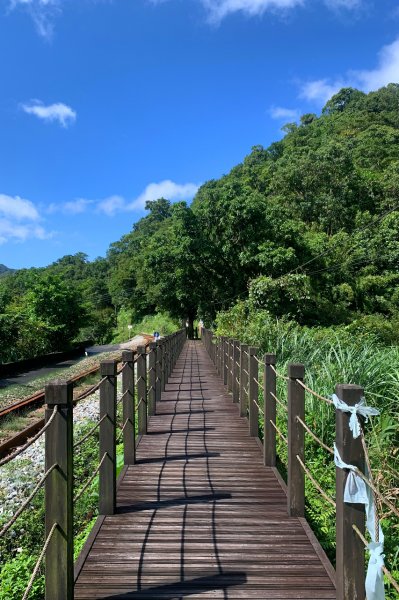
[199, 516]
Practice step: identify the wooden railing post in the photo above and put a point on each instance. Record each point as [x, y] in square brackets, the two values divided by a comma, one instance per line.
[152, 376]
[158, 372]
[163, 358]
[253, 392]
[142, 390]
[296, 441]
[229, 363]
[236, 371]
[350, 580]
[269, 382]
[129, 413]
[225, 359]
[244, 366]
[59, 491]
[107, 487]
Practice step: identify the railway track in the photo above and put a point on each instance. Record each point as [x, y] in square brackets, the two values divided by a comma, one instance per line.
[34, 401]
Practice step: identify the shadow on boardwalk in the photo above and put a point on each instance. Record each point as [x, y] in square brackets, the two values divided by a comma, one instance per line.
[199, 516]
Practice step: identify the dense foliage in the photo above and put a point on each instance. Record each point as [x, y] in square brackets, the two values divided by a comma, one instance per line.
[308, 227]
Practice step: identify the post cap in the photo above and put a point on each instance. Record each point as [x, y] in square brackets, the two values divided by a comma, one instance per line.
[252, 350]
[349, 393]
[128, 356]
[108, 367]
[296, 370]
[141, 350]
[270, 359]
[59, 392]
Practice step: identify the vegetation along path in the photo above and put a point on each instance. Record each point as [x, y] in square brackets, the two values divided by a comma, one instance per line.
[199, 516]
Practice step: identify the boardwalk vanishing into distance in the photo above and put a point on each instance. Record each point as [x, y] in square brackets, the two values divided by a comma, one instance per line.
[199, 516]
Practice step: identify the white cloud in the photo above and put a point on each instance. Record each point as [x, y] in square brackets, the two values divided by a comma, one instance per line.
[18, 220]
[386, 71]
[42, 13]
[112, 205]
[73, 207]
[164, 189]
[16, 208]
[321, 90]
[339, 4]
[278, 112]
[218, 9]
[60, 112]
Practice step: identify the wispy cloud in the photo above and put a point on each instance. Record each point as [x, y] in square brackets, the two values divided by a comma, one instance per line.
[386, 71]
[73, 207]
[344, 4]
[19, 220]
[280, 113]
[60, 112]
[164, 189]
[219, 9]
[42, 13]
[111, 205]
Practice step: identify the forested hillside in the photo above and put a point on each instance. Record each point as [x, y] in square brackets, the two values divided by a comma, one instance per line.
[307, 229]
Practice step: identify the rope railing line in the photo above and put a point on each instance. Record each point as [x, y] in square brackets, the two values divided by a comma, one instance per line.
[258, 382]
[377, 492]
[86, 485]
[246, 372]
[283, 406]
[273, 368]
[141, 378]
[384, 569]
[282, 436]
[39, 561]
[122, 429]
[237, 380]
[246, 390]
[92, 389]
[237, 363]
[19, 451]
[370, 473]
[123, 395]
[314, 436]
[21, 509]
[89, 433]
[258, 360]
[259, 408]
[140, 401]
[315, 483]
[308, 389]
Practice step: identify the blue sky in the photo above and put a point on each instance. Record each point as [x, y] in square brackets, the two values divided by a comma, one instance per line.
[107, 103]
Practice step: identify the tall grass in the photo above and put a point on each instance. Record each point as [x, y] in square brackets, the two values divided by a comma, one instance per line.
[332, 356]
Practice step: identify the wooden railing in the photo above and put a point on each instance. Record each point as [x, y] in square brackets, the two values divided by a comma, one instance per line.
[247, 377]
[144, 375]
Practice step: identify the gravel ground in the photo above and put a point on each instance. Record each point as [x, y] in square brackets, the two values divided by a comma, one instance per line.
[19, 477]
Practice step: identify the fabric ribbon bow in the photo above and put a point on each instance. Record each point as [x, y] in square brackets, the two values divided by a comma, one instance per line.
[358, 409]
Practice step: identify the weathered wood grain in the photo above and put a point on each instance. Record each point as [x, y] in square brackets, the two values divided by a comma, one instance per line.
[198, 515]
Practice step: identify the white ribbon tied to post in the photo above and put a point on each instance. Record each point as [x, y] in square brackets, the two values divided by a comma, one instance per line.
[358, 492]
[357, 409]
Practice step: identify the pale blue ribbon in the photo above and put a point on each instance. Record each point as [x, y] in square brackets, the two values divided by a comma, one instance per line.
[358, 409]
[358, 492]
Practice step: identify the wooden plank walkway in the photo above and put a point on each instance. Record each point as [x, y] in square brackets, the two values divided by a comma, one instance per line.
[199, 516]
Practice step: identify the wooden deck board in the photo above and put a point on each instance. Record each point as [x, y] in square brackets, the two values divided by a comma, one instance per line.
[199, 516]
